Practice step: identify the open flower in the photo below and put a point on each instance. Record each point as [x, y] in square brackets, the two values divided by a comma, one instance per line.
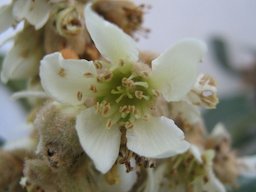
[120, 93]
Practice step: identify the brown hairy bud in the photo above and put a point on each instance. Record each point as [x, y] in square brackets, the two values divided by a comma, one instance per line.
[58, 140]
[40, 177]
[66, 29]
[11, 167]
[225, 161]
[124, 14]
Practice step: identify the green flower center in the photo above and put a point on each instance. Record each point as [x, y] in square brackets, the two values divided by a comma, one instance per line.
[124, 95]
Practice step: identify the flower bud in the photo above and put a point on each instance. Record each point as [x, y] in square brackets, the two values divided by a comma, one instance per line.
[58, 141]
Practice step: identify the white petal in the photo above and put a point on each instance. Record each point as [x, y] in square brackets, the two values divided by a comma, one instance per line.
[110, 40]
[175, 71]
[247, 166]
[214, 184]
[6, 18]
[155, 179]
[101, 144]
[127, 180]
[156, 138]
[21, 8]
[18, 66]
[36, 12]
[196, 153]
[39, 15]
[65, 80]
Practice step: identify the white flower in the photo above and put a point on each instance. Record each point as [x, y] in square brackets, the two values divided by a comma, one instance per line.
[23, 59]
[36, 12]
[204, 92]
[118, 94]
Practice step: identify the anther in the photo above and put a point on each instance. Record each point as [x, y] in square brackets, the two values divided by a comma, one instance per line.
[109, 124]
[93, 88]
[127, 82]
[88, 74]
[98, 65]
[104, 77]
[140, 95]
[128, 125]
[79, 95]
[106, 109]
[108, 76]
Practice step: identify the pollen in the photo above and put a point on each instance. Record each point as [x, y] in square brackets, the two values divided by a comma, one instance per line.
[109, 123]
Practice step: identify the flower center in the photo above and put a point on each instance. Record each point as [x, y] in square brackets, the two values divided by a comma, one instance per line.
[124, 95]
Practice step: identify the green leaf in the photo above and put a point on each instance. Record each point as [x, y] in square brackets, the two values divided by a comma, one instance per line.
[2, 141]
[246, 185]
[220, 52]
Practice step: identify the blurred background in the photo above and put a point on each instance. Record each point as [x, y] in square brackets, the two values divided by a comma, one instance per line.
[229, 29]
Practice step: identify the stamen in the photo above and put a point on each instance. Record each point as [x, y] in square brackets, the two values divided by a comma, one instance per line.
[109, 124]
[106, 108]
[142, 84]
[128, 125]
[123, 109]
[131, 76]
[129, 95]
[140, 95]
[118, 90]
[108, 76]
[127, 82]
[105, 76]
[93, 88]
[120, 98]
[98, 65]
[127, 109]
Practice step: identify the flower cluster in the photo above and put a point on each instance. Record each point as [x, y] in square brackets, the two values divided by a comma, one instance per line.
[112, 118]
[121, 92]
